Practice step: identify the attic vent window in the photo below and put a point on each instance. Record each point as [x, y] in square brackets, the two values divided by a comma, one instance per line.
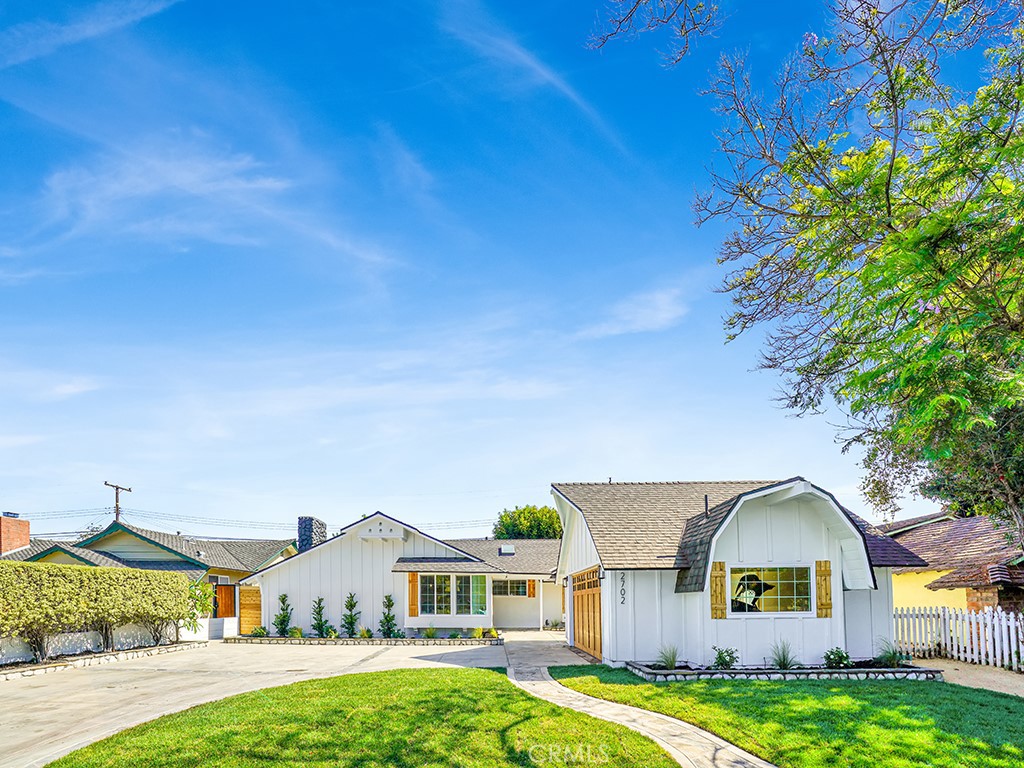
[507, 549]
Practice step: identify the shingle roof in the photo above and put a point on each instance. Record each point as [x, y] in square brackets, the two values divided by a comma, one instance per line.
[231, 554]
[253, 553]
[532, 556]
[441, 565]
[640, 525]
[962, 541]
[912, 522]
[35, 546]
[980, 576]
[38, 547]
[664, 525]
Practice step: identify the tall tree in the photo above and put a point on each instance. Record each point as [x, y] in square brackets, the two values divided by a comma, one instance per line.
[528, 522]
[877, 232]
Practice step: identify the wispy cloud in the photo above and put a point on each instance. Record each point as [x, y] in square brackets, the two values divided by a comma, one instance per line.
[178, 191]
[655, 310]
[469, 23]
[35, 39]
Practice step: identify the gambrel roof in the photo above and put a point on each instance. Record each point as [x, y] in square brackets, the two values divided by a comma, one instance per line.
[641, 526]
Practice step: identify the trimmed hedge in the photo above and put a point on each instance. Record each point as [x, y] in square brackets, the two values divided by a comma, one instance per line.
[41, 600]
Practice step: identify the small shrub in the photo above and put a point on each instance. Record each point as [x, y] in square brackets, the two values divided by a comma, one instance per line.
[837, 658]
[668, 656]
[399, 634]
[492, 633]
[478, 633]
[350, 619]
[320, 625]
[889, 654]
[781, 655]
[454, 635]
[430, 633]
[283, 619]
[725, 658]
[365, 632]
[295, 632]
[258, 632]
[388, 625]
[332, 633]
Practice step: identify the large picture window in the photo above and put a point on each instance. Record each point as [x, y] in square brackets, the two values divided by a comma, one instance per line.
[510, 588]
[770, 590]
[471, 595]
[435, 595]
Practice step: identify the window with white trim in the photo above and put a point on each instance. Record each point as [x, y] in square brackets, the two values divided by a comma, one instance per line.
[770, 590]
[510, 588]
[435, 595]
[471, 595]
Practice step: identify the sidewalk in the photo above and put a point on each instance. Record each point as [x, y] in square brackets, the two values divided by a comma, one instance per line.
[977, 675]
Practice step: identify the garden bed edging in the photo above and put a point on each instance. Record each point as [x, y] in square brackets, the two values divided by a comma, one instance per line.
[97, 658]
[365, 640]
[686, 675]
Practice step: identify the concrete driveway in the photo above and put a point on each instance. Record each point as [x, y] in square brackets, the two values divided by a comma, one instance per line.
[47, 716]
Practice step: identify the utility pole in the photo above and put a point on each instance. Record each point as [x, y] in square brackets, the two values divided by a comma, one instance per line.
[117, 499]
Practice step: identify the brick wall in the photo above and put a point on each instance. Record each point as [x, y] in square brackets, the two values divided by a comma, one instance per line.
[13, 534]
[1011, 599]
[1007, 598]
[980, 598]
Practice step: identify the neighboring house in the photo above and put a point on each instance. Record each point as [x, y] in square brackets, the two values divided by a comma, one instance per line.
[969, 563]
[451, 585]
[221, 562]
[739, 565]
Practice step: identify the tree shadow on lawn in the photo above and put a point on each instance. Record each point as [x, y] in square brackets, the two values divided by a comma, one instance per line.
[406, 718]
[832, 722]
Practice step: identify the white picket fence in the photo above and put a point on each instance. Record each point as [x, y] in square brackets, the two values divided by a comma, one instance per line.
[992, 637]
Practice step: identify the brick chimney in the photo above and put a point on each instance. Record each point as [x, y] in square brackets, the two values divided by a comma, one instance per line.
[311, 532]
[13, 532]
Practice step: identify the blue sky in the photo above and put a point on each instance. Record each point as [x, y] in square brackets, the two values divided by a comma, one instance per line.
[423, 258]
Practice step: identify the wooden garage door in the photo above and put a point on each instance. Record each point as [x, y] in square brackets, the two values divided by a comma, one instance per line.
[249, 609]
[586, 612]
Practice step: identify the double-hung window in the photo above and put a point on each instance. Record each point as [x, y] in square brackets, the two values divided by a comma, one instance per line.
[435, 595]
[471, 595]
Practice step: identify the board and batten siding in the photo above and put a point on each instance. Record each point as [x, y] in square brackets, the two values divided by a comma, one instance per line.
[348, 563]
[578, 553]
[644, 613]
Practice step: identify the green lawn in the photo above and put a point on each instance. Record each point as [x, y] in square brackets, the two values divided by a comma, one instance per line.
[414, 718]
[877, 723]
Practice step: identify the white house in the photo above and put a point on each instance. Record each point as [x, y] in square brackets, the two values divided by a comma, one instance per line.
[729, 564]
[450, 585]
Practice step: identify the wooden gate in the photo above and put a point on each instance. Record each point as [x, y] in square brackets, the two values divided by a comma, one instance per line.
[249, 609]
[586, 612]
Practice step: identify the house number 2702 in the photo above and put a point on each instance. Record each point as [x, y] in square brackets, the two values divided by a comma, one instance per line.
[622, 588]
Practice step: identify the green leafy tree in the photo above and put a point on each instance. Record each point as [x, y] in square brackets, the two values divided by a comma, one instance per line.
[877, 237]
[320, 625]
[350, 619]
[388, 625]
[528, 522]
[283, 618]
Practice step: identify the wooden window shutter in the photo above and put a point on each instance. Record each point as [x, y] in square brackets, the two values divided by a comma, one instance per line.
[718, 591]
[414, 594]
[823, 583]
[531, 588]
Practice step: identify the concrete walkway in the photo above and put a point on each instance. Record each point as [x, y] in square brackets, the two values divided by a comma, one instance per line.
[977, 675]
[687, 744]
